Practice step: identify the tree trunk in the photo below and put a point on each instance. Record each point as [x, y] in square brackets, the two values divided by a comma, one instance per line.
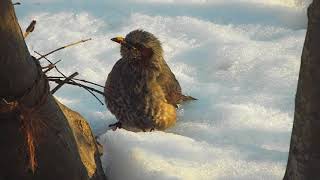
[304, 154]
[37, 141]
[86, 142]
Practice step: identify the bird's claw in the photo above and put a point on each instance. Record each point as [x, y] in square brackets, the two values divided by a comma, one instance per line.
[144, 130]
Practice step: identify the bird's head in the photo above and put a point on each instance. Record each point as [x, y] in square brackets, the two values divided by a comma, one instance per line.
[139, 45]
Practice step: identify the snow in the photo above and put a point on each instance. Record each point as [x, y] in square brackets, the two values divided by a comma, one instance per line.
[160, 155]
[240, 58]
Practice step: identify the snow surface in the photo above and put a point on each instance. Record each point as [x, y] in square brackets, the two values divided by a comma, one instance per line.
[240, 58]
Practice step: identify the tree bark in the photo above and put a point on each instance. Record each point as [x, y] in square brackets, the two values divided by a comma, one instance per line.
[37, 140]
[86, 142]
[304, 153]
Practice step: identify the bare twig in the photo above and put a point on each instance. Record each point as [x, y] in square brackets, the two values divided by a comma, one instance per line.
[30, 28]
[63, 82]
[51, 65]
[49, 69]
[77, 84]
[63, 47]
[82, 80]
[85, 87]
[58, 81]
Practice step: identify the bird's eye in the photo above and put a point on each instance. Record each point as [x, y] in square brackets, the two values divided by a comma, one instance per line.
[140, 47]
[129, 45]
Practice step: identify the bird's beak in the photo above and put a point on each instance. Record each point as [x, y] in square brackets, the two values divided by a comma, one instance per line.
[121, 41]
[118, 39]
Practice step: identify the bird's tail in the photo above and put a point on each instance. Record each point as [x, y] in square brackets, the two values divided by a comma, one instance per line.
[187, 98]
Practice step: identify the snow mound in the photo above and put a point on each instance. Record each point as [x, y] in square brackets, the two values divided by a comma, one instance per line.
[159, 155]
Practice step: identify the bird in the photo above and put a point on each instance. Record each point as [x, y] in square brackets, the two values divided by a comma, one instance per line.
[141, 90]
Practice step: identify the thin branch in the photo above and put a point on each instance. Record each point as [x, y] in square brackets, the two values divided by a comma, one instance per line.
[63, 82]
[63, 47]
[49, 69]
[85, 87]
[82, 80]
[51, 65]
[17, 3]
[77, 84]
[58, 81]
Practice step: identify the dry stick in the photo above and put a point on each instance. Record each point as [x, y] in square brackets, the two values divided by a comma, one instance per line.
[49, 69]
[66, 77]
[71, 80]
[63, 82]
[58, 81]
[82, 80]
[51, 65]
[30, 28]
[81, 85]
[72, 44]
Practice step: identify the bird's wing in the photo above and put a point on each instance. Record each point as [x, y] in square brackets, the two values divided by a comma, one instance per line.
[112, 85]
[169, 85]
[114, 75]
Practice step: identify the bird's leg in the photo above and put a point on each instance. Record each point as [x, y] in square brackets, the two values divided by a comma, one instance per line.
[144, 130]
[116, 125]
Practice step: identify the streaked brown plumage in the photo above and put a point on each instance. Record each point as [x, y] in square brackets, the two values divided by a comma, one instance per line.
[141, 91]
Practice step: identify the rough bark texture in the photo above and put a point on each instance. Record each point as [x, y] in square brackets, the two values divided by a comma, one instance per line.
[86, 142]
[60, 145]
[304, 154]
